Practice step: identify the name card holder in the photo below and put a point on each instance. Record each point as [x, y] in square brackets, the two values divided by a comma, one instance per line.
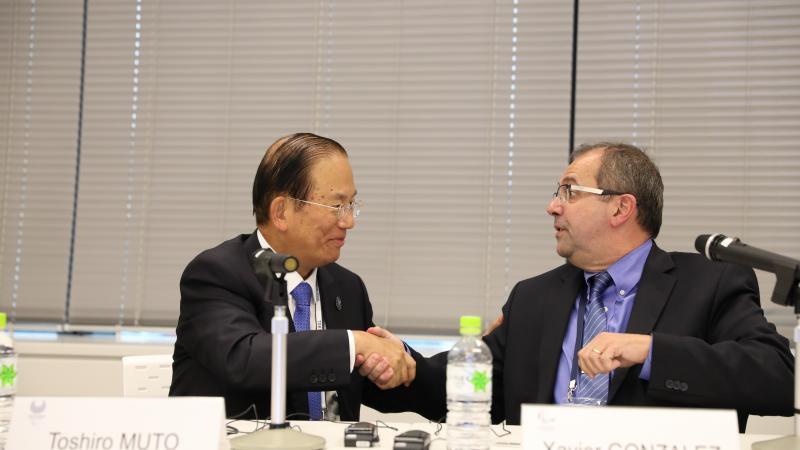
[561, 427]
[95, 423]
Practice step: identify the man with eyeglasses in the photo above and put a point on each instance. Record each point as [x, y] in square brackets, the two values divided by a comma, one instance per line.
[304, 201]
[624, 322]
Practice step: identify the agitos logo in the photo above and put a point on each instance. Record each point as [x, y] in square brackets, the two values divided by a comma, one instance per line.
[37, 411]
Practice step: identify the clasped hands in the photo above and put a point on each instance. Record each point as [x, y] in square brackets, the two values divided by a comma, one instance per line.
[608, 351]
[382, 357]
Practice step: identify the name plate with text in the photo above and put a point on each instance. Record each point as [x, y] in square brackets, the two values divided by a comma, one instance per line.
[109, 423]
[560, 427]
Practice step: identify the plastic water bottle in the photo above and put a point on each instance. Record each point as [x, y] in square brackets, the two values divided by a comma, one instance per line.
[469, 389]
[8, 379]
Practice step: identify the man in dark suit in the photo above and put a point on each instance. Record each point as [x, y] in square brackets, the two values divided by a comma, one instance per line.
[304, 203]
[682, 331]
[671, 329]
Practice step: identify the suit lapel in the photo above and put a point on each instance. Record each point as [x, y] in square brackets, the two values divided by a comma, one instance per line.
[558, 303]
[264, 306]
[330, 294]
[249, 247]
[655, 287]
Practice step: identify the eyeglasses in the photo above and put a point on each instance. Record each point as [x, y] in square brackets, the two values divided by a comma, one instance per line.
[342, 211]
[565, 192]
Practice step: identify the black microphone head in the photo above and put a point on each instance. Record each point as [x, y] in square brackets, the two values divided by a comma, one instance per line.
[265, 261]
[290, 263]
[708, 245]
[700, 243]
[256, 256]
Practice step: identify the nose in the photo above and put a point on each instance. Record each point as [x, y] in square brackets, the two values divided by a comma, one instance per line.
[554, 207]
[348, 221]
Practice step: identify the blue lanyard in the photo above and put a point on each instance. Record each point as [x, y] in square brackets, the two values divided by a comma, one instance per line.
[573, 380]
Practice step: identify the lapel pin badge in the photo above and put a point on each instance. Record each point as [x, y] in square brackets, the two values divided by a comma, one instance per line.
[338, 304]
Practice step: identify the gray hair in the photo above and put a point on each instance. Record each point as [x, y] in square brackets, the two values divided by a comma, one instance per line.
[626, 168]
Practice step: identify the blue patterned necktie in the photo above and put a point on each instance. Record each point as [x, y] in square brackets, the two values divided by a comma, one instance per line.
[595, 323]
[302, 315]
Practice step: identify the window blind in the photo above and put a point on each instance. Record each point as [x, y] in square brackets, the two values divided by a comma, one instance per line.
[40, 50]
[440, 114]
[455, 115]
[421, 96]
[174, 141]
[711, 88]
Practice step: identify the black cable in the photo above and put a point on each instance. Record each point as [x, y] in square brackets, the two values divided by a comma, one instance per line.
[574, 75]
[505, 432]
[382, 424]
[79, 143]
[438, 428]
[239, 416]
[233, 430]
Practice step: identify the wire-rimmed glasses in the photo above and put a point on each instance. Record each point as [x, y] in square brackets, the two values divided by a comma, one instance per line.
[342, 210]
[565, 192]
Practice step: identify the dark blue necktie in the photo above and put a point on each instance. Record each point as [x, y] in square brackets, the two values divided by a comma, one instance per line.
[594, 324]
[302, 314]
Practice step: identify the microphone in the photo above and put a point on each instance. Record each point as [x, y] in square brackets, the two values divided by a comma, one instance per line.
[268, 263]
[271, 269]
[718, 247]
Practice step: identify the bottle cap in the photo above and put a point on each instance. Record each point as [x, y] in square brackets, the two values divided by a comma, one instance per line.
[2, 320]
[470, 325]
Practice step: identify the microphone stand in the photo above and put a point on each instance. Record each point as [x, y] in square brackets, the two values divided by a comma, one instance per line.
[279, 435]
[789, 283]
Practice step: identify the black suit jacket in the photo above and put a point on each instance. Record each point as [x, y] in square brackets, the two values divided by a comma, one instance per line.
[223, 344]
[712, 346]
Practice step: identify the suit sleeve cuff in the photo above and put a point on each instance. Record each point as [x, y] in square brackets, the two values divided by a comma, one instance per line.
[352, 343]
[648, 363]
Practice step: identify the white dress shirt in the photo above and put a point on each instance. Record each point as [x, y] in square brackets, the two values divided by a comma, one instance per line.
[315, 313]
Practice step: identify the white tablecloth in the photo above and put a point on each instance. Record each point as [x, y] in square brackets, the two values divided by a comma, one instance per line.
[510, 438]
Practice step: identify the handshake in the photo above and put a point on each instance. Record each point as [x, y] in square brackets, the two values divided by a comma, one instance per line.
[382, 357]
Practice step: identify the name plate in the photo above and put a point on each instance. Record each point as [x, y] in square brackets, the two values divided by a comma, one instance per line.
[93, 423]
[558, 427]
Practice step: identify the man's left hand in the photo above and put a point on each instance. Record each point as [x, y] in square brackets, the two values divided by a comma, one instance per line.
[607, 351]
[377, 368]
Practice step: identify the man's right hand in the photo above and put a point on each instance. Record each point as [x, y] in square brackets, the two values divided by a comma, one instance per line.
[381, 357]
[492, 326]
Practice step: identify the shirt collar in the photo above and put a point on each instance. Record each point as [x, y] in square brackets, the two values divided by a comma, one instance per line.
[292, 278]
[627, 271]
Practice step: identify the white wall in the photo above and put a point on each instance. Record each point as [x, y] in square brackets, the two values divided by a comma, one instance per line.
[74, 368]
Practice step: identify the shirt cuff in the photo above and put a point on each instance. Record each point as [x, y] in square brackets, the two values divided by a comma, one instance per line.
[648, 362]
[352, 343]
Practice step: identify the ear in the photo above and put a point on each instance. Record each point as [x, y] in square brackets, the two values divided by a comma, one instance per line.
[623, 209]
[278, 209]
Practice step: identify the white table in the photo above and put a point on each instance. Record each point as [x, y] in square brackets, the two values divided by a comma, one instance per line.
[334, 434]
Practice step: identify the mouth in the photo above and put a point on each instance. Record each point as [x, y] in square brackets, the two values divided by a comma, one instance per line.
[559, 230]
[339, 242]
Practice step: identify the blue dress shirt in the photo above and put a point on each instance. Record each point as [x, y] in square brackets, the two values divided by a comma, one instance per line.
[618, 298]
